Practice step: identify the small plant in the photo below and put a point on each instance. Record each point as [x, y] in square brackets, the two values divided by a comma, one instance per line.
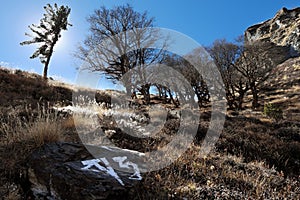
[18, 72]
[273, 112]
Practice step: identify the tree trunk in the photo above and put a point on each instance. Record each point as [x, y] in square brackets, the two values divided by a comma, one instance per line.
[45, 73]
[145, 91]
[240, 100]
[255, 96]
[172, 99]
[159, 89]
[230, 100]
[45, 70]
[147, 94]
[164, 95]
[242, 91]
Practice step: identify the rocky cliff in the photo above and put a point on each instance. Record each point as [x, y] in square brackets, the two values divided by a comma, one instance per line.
[282, 30]
[281, 36]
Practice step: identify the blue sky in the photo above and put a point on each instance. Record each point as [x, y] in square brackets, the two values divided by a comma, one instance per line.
[202, 20]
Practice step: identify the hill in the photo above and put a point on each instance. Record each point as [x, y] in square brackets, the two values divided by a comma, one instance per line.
[22, 88]
[283, 88]
[255, 156]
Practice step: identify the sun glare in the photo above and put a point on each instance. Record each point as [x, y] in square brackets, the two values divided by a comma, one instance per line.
[62, 43]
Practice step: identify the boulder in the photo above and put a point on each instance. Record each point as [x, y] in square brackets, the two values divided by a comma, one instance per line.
[69, 171]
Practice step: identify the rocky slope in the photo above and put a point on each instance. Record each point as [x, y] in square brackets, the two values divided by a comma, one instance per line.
[283, 30]
[283, 88]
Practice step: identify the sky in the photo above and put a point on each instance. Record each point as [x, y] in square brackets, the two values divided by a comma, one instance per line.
[202, 20]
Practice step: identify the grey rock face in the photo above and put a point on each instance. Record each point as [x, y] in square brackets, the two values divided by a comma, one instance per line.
[283, 30]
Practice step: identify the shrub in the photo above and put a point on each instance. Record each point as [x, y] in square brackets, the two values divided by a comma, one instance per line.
[273, 112]
[19, 72]
[20, 136]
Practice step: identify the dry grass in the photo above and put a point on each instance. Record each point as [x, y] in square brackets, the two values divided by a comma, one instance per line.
[255, 158]
[217, 176]
[276, 143]
[237, 171]
[44, 126]
[19, 137]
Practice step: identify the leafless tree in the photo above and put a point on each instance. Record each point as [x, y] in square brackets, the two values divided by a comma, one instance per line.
[255, 64]
[225, 55]
[121, 41]
[245, 66]
[194, 84]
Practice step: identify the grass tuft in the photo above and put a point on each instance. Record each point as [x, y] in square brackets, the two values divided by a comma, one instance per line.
[20, 136]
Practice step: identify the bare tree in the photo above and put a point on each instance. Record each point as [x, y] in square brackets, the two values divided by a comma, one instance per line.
[118, 43]
[255, 64]
[225, 55]
[48, 32]
[196, 86]
[245, 66]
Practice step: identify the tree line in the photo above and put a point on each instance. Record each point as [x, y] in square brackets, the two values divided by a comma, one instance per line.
[119, 45]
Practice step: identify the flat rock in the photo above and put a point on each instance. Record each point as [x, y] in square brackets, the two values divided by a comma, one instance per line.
[70, 171]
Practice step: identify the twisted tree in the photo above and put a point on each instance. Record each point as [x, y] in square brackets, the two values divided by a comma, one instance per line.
[226, 55]
[48, 32]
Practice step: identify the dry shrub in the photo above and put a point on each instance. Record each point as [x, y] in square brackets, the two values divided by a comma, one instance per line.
[273, 112]
[215, 176]
[19, 137]
[68, 123]
[258, 141]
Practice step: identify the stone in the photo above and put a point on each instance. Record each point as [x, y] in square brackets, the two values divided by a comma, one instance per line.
[282, 30]
[69, 171]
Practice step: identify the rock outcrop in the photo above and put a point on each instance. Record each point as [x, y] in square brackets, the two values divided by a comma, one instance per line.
[68, 171]
[282, 30]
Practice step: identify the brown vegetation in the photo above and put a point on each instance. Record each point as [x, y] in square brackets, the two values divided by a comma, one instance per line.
[255, 158]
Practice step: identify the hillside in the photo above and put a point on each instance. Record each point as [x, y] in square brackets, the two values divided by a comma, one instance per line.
[255, 157]
[47, 142]
[283, 88]
[21, 88]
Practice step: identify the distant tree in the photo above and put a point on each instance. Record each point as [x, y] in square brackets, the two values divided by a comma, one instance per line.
[195, 79]
[225, 55]
[245, 66]
[196, 87]
[48, 32]
[124, 30]
[255, 64]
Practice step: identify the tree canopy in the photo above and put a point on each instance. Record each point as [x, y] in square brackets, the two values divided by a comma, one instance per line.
[118, 43]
